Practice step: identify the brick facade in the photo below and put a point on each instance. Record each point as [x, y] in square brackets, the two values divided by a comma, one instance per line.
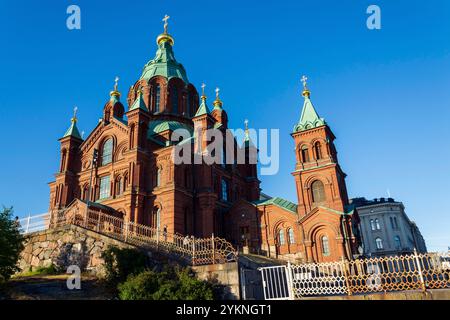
[145, 186]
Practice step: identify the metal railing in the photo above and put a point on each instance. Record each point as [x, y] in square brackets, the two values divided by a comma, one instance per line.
[34, 223]
[196, 251]
[383, 274]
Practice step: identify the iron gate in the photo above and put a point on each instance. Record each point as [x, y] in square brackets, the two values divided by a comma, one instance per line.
[277, 282]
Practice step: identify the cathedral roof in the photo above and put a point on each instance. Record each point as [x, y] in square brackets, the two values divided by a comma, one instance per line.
[279, 202]
[158, 126]
[164, 64]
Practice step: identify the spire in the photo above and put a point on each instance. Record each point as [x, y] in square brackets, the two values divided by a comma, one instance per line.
[203, 108]
[217, 103]
[73, 130]
[115, 94]
[309, 118]
[247, 141]
[139, 102]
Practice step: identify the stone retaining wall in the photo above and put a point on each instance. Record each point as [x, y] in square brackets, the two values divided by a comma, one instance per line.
[65, 246]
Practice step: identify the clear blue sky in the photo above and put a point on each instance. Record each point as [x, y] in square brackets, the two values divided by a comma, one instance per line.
[384, 93]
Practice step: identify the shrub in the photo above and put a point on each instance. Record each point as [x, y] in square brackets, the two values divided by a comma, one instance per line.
[10, 244]
[120, 263]
[171, 284]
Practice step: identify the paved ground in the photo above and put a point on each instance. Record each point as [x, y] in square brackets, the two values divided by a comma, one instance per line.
[55, 288]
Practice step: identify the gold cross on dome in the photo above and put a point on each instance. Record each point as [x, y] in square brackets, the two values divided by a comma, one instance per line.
[116, 84]
[217, 92]
[303, 80]
[246, 124]
[74, 118]
[166, 17]
[203, 89]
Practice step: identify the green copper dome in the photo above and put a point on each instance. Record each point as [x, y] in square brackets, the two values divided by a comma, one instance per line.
[158, 126]
[164, 64]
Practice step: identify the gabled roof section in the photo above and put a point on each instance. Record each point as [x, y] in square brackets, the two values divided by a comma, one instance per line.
[139, 103]
[203, 109]
[279, 202]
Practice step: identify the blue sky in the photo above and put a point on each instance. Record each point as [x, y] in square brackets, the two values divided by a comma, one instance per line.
[384, 93]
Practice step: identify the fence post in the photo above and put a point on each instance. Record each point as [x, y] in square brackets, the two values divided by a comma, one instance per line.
[126, 230]
[213, 249]
[157, 237]
[28, 223]
[345, 267]
[422, 281]
[98, 222]
[193, 251]
[290, 281]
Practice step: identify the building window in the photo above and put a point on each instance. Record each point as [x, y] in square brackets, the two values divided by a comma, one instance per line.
[119, 189]
[222, 158]
[397, 242]
[377, 224]
[188, 105]
[304, 154]
[318, 191]
[174, 97]
[379, 243]
[158, 177]
[107, 152]
[105, 187]
[157, 97]
[395, 223]
[156, 218]
[291, 236]
[317, 150]
[372, 225]
[325, 246]
[224, 190]
[281, 237]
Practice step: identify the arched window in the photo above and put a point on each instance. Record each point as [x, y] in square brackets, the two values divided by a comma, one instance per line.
[304, 154]
[156, 218]
[107, 152]
[157, 97]
[317, 150]
[158, 177]
[397, 242]
[379, 243]
[85, 192]
[325, 246]
[119, 186]
[377, 223]
[281, 237]
[188, 105]
[63, 161]
[224, 190]
[318, 191]
[174, 98]
[105, 187]
[125, 181]
[372, 225]
[291, 236]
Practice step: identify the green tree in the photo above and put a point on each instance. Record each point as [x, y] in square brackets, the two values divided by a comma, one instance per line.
[11, 244]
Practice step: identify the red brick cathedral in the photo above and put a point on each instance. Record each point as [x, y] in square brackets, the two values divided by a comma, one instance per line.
[125, 167]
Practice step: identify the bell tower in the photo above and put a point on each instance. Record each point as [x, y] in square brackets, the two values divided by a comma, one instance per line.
[319, 179]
